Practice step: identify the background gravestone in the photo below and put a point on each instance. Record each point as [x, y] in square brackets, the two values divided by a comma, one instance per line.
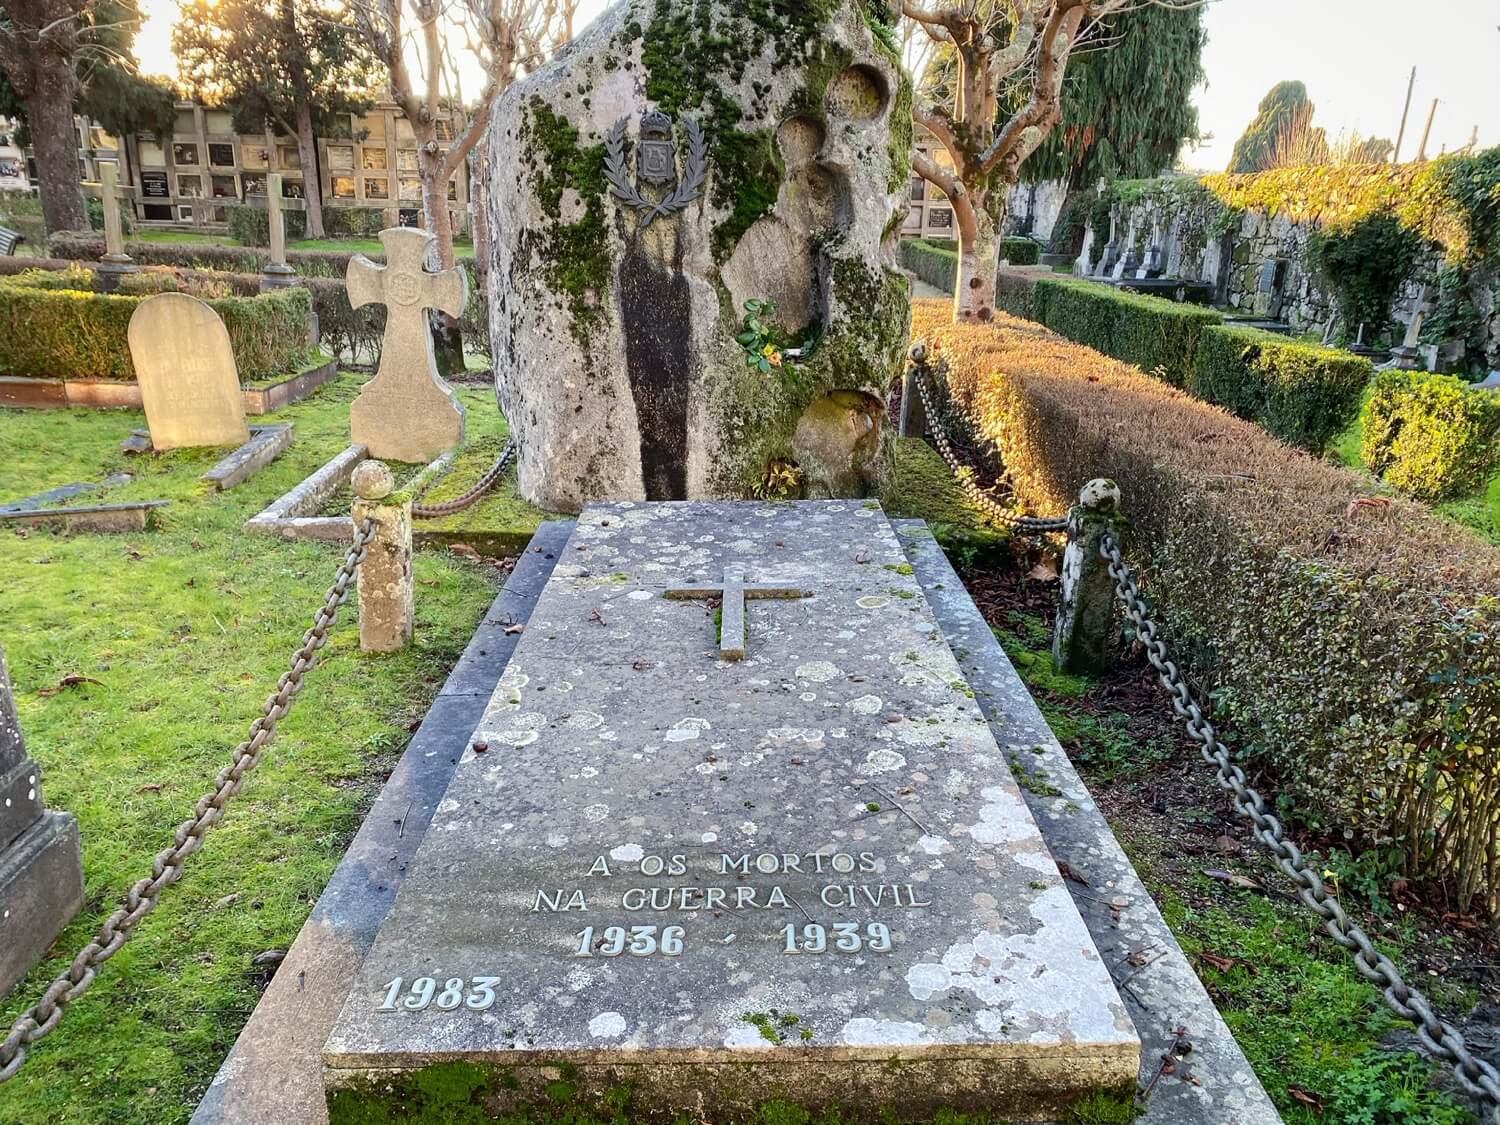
[41, 877]
[190, 387]
[676, 161]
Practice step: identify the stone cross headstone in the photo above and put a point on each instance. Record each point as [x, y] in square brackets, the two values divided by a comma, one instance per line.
[406, 413]
[115, 261]
[809, 874]
[733, 594]
[277, 274]
[1408, 356]
[41, 877]
[184, 365]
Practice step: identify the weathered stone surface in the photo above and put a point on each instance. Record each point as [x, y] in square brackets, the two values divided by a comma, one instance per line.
[406, 413]
[265, 445]
[92, 517]
[41, 872]
[620, 292]
[386, 610]
[1212, 1083]
[845, 772]
[184, 366]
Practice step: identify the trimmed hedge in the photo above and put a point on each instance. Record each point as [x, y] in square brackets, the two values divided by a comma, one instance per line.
[1301, 393]
[1353, 654]
[1431, 436]
[202, 255]
[1154, 334]
[935, 260]
[75, 334]
[251, 226]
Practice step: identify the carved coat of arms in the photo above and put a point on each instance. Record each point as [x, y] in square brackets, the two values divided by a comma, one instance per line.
[656, 165]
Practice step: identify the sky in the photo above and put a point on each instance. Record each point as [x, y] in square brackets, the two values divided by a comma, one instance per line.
[1355, 57]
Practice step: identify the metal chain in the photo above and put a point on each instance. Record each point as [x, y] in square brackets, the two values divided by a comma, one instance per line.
[166, 868]
[1026, 525]
[1475, 1075]
[483, 485]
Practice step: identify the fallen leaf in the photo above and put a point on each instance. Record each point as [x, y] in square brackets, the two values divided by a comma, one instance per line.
[1306, 1097]
[1227, 844]
[227, 900]
[1044, 571]
[1218, 961]
[154, 787]
[67, 682]
[1068, 873]
[269, 957]
[512, 630]
[1244, 882]
[464, 549]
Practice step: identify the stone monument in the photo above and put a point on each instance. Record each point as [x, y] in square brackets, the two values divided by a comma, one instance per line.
[805, 874]
[675, 162]
[277, 274]
[184, 365]
[115, 261]
[407, 413]
[41, 874]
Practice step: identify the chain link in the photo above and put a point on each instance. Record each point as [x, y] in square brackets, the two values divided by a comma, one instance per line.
[1475, 1075]
[166, 868]
[1026, 525]
[483, 485]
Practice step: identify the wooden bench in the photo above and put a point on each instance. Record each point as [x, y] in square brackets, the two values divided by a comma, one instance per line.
[9, 240]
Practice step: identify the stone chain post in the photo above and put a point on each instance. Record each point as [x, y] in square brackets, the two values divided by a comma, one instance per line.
[385, 578]
[1080, 643]
[913, 412]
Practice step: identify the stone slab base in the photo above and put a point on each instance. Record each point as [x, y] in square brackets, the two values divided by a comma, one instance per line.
[96, 517]
[265, 445]
[109, 394]
[290, 515]
[881, 1088]
[41, 888]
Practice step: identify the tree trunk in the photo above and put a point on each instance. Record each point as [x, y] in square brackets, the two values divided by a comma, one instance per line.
[447, 333]
[978, 257]
[479, 207]
[312, 189]
[49, 113]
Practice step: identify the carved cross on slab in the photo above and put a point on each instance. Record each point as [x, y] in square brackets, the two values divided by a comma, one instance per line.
[733, 594]
[406, 413]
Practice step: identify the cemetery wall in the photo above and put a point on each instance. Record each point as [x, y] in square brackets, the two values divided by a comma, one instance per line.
[1251, 236]
[1380, 712]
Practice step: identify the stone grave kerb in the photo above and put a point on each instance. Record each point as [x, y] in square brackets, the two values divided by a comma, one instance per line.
[406, 412]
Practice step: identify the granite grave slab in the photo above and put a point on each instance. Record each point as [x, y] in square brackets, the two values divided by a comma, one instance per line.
[806, 874]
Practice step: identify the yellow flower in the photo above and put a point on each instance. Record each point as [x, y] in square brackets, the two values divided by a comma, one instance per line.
[771, 354]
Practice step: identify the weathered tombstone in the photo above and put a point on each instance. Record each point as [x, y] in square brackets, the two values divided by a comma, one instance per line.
[1407, 356]
[184, 365]
[808, 874]
[115, 261]
[677, 161]
[277, 274]
[407, 413]
[41, 876]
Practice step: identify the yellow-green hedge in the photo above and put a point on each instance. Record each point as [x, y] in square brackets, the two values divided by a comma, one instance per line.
[75, 334]
[1431, 436]
[1301, 393]
[1353, 650]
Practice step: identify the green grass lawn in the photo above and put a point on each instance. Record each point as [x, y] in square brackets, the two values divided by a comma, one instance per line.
[186, 628]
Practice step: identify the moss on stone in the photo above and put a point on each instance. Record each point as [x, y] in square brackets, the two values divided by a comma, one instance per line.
[575, 255]
[921, 487]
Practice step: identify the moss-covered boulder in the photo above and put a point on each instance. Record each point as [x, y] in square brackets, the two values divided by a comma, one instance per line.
[680, 159]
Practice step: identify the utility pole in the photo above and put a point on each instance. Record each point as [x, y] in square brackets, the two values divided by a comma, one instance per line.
[1406, 109]
[1422, 148]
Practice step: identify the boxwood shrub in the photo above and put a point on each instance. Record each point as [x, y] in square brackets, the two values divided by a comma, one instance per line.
[1431, 436]
[1353, 652]
[1156, 335]
[75, 333]
[1302, 393]
[932, 263]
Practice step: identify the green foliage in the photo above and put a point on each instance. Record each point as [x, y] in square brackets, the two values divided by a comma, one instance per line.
[931, 262]
[1284, 111]
[1127, 110]
[1354, 648]
[1301, 393]
[1364, 264]
[79, 334]
[1156, 335]
[251, 226]
[1454, 316]
[1431, 436]
[766, 343]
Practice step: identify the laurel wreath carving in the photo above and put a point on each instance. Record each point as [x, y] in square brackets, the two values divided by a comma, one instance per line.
[689, 185]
